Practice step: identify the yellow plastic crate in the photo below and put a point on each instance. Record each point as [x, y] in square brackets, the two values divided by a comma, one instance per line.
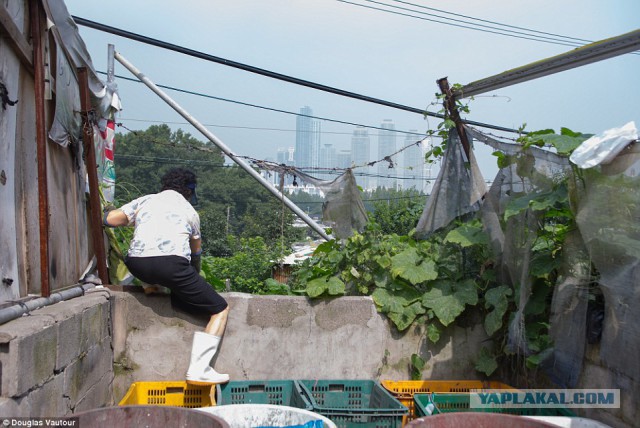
[403, 390]
[178, 394]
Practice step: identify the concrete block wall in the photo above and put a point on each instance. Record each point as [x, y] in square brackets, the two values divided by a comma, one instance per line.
[58, 359]
[283, 337]
[596, 375]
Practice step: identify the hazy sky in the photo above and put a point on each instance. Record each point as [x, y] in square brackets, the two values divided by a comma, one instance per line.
[379, 54]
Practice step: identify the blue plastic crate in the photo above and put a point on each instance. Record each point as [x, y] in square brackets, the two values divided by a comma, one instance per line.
[354, 403]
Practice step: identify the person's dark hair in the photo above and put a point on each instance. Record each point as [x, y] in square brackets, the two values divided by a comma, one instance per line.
[181, 180]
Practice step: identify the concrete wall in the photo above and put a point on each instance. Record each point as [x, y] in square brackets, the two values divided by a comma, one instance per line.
[596, 375]
[86, 352]
[58, 360]
[283, 337]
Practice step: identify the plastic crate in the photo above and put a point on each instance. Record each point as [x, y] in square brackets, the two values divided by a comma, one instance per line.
[278, 392]
[460, 402]
[354, 403]
[403, 390]
[178, 394]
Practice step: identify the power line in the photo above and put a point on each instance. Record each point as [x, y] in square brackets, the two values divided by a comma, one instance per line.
[271, 74]
[562, 40]
[538, 39]
[200, 94]
[492, 22]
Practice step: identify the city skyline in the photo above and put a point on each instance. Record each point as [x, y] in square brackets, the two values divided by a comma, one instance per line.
[404, 167]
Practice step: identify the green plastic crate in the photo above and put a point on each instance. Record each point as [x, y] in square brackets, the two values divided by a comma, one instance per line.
[460, 402]
[277, 392]
[354, 403]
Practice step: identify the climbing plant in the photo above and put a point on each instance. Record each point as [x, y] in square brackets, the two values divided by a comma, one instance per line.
[435, 280]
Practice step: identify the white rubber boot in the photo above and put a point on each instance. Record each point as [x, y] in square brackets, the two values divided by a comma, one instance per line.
[202, 351]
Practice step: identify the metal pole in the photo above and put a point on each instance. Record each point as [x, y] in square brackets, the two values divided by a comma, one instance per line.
[35, 16]
[293, 207]
[97, 234]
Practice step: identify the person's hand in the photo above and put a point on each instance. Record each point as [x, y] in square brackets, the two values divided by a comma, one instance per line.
[196, 261]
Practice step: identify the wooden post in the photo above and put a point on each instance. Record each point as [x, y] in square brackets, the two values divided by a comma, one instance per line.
[35, 21]
[450, 105]
[97, 233]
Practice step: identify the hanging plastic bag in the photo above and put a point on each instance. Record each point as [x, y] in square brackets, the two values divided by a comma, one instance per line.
[603, 149]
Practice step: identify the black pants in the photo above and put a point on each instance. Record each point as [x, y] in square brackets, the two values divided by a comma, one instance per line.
[189, 291]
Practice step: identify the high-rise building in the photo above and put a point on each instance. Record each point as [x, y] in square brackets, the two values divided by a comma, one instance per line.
[413, 167]
[327, 162]
[307, 152]
[343, 159]
[361, 156]
[284, 156]
[387, 147]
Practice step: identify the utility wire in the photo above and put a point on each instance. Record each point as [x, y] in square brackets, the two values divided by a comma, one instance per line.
[271, 74]
[563, 40]
[538, 39]
[200, 94]
[492, 22]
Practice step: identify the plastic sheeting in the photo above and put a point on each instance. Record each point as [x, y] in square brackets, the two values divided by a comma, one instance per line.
[343, 206]
[609, 220]
[104, 97]
[534, 171]
[457, 190]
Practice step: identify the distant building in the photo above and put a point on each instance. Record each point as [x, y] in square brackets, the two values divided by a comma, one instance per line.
[327, 162]
[413, 168]
[343, 159]
[386, 147]
[284, 156]
[361, 155]
[307, 151]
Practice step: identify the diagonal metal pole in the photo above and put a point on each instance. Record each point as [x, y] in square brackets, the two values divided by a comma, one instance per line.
[215, 140]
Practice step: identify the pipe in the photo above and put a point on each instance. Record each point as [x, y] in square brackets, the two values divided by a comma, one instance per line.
[19, 309]
[293, 207]
[35, 15]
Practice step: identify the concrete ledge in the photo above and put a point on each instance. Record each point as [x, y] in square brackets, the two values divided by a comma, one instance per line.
[283, 337]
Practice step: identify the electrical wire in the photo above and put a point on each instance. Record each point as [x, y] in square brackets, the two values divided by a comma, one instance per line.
[271, 74]
[449, 23]
[200, 94]
[554, 39]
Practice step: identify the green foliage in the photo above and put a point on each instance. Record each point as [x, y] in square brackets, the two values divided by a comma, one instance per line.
[486, 362]
[417, 365]
[395, 211]
[434, 279]
[247, 268]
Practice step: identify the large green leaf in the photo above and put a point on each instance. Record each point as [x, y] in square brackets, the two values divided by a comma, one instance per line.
[412, 267]
[405, 317]
[331, 284]
[467, 235]
[486, 362]
[448, 299]
[496, 298]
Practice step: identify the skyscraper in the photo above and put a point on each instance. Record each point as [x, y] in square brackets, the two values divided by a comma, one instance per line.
[413, 162]
[361, 155]
[307, 151]
[386, 147]
[327, 162]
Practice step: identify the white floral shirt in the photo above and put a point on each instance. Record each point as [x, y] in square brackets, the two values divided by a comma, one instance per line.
[164, 224]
